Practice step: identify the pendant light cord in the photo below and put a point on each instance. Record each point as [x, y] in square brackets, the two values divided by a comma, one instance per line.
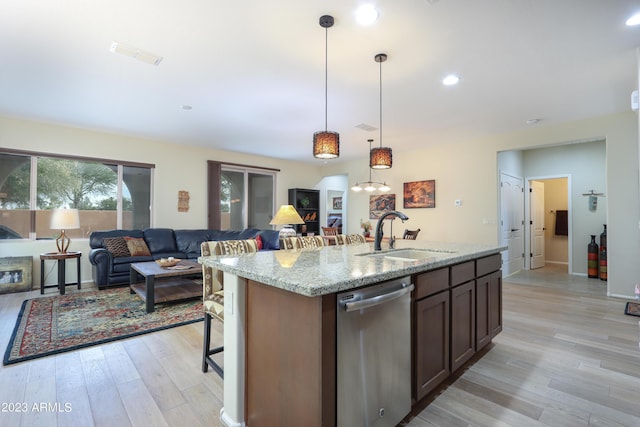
[326, 74]
[380, 104]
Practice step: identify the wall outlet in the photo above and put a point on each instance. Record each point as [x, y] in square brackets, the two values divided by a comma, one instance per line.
[458, 202]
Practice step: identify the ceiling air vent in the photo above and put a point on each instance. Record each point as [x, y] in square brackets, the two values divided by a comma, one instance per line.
[366, 127]
[136, 53]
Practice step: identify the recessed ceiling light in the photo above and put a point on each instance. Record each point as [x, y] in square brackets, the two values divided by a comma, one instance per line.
[634, 20]
[366, 14]
[450, 80]
[533, 121]
[186, 107]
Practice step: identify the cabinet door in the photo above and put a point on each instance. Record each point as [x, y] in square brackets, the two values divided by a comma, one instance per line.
[431, 343]
[495, 303]
[463, 325]
[483, 313]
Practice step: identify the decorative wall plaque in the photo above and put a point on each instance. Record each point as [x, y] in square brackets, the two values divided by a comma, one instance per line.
[183, 201]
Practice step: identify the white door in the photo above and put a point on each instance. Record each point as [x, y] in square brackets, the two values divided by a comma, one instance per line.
[512, 223]
[536, 205]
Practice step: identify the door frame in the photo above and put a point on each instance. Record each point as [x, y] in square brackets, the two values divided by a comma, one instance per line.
[527, 217]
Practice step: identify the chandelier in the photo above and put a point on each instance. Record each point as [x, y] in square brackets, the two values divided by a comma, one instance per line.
[370, 185]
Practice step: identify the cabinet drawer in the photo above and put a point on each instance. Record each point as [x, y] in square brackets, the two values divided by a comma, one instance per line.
[431, 282]
[488, 264]
[461, 273]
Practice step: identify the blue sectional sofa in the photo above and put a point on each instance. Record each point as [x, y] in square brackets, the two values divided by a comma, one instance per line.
[110, 270]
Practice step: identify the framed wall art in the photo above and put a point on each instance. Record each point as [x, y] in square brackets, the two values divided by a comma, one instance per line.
[15, 274]
[379, 204]
[337, 203]
[420, 194]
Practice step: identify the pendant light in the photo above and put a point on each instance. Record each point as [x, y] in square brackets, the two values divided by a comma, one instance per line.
[370, 185]
[380, 157]
[326, 144]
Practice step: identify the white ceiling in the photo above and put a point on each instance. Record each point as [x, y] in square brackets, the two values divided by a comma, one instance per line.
[254, 71]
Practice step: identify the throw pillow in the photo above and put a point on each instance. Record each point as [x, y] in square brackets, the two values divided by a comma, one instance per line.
[137, 246]
[117, 246]
[259, 242]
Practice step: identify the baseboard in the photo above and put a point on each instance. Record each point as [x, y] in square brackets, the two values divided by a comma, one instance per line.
[227, 421]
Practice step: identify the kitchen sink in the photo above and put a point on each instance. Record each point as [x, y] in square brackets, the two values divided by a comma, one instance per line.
[409, 254]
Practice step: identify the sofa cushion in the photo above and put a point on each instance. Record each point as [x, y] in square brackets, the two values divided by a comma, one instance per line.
[160, 240]
[270, 239]
[137, 247]
[117, 246]
[217, 235]
[189, 241]
[96, 239]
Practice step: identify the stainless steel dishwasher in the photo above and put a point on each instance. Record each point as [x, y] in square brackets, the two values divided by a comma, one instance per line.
[374, 354]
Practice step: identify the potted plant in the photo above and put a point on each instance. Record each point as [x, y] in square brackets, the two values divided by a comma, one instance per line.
[366, 226]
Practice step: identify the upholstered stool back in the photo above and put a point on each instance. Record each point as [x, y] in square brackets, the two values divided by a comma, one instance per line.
[212, 286]
[213, 293]
[302, 242]
[350, 239]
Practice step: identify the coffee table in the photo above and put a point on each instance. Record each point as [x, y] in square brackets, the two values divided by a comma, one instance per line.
[174, 284]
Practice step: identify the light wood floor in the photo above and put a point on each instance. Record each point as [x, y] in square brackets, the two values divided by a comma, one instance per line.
[567, 356]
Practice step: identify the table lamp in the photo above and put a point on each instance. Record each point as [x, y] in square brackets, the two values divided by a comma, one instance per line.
[64, 219]
[286, 216]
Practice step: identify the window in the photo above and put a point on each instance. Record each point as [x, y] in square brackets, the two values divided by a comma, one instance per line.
[240, 196]
[107, 194]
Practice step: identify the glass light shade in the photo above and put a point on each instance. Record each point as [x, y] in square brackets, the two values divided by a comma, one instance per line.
[370, 188]
[380, 158]
[326, 145]
[356, 188]
[286, 215]
[384, 187]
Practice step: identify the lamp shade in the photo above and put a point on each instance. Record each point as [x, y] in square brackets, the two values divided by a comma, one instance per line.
[65, 219]
[380, 158]
[287, 214]
[326, 145]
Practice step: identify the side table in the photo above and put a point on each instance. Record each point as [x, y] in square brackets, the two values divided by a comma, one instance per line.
[62, 259]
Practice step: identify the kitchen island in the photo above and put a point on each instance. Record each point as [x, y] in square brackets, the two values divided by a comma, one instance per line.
[280, 321]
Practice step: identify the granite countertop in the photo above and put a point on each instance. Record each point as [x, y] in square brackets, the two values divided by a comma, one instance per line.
[322, 271]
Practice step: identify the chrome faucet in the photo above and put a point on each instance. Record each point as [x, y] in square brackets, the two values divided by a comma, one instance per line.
[379, 233]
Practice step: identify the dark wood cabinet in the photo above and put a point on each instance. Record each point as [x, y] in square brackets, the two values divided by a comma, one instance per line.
[463, 324]
[431, 331]
[488, 308]
[457, 312]
[307, 203]
[431, 343]
[483, 311]
[495, 303]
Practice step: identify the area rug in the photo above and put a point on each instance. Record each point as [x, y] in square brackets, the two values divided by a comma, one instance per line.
[632, 309]
[61, 323]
